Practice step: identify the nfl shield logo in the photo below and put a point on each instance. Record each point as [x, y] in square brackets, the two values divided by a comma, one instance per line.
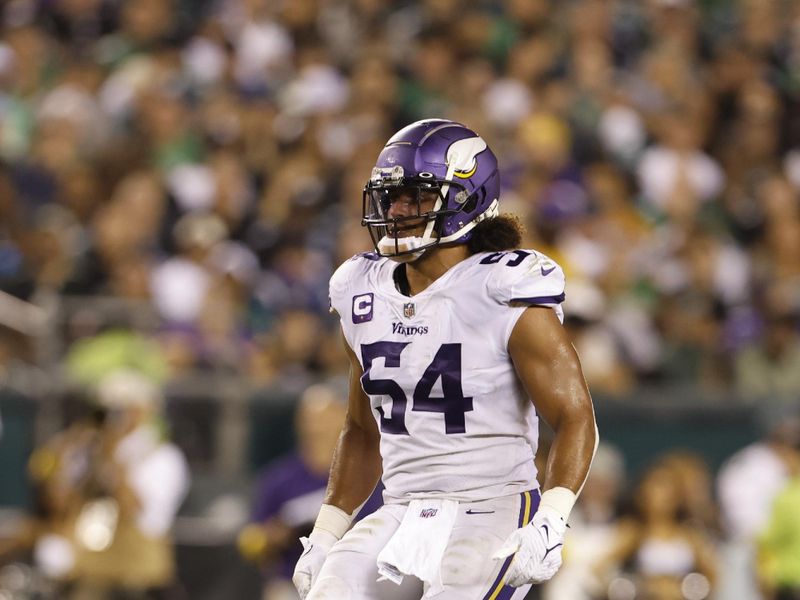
[408, 310]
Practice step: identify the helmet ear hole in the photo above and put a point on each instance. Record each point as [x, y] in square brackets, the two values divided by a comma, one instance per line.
[470, 204]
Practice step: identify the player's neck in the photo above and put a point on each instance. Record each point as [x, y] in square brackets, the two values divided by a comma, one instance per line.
[433, 264]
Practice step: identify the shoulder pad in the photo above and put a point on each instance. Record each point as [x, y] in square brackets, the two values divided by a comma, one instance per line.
[525, 276]
[340, 282]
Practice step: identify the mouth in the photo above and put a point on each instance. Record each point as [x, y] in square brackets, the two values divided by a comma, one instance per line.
[399, 231]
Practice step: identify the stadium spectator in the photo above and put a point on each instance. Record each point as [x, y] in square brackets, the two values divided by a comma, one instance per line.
[109, 488]
[593, 527]
[779, 545]
[289, 492]
[747, 485]
[135, 491]
[657, 551]
[262, 115]
[771, 369]
[693, 478]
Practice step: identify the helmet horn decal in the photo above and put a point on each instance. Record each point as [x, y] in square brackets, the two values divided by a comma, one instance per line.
[462, 157]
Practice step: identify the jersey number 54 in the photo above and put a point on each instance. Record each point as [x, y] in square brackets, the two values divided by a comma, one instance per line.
[446, 364]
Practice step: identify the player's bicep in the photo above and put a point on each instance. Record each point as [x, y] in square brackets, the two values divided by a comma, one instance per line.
[358, 406]
[548, 366]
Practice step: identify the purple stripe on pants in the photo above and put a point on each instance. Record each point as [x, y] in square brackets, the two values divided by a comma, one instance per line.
[507, 592]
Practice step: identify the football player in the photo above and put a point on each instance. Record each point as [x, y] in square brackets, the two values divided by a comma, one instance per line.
[456, 348]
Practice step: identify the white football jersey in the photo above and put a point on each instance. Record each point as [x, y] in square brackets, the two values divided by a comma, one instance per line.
[454, 418]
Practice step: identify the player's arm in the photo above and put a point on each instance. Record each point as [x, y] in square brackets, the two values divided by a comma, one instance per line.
[548, 366]
[355, 470]
[356, 465]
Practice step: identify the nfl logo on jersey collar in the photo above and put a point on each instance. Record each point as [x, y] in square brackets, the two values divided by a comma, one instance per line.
[409, 310]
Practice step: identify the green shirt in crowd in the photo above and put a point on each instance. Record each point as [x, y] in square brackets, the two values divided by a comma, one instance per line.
[780, 543]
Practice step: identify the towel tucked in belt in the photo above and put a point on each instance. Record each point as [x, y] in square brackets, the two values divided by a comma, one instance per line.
[417, 547]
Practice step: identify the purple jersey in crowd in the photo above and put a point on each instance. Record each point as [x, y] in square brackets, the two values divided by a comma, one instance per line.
[288, 491]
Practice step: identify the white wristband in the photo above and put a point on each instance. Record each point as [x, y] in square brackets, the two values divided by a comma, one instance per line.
[333, 520]
[560, 499]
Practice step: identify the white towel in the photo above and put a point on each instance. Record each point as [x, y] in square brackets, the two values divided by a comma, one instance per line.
[417, 547]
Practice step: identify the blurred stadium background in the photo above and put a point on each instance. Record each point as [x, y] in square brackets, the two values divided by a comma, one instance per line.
[179, 178]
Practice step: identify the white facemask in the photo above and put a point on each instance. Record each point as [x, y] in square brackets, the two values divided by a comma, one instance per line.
[389, 245]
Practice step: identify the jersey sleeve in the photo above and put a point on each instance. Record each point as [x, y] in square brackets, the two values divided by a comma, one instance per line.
[529, 277]
[340, 295]
[339, 285]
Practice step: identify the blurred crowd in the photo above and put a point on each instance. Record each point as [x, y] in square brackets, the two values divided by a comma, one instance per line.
[202, 161]
[206, 157]
[106, 491]
[680, 532]
[675, 531]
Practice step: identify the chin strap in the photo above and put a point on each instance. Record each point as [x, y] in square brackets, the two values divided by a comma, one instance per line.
[492, 211]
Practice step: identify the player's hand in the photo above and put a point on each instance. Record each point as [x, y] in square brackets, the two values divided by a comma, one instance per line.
[536, 548]
[315, 550]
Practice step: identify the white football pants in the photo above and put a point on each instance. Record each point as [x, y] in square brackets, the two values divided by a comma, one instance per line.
[468, 570]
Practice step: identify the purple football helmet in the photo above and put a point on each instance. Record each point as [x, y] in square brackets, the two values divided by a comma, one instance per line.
[430, 157]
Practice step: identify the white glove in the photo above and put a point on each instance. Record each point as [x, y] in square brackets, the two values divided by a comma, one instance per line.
[536, 548]
[315, 550]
